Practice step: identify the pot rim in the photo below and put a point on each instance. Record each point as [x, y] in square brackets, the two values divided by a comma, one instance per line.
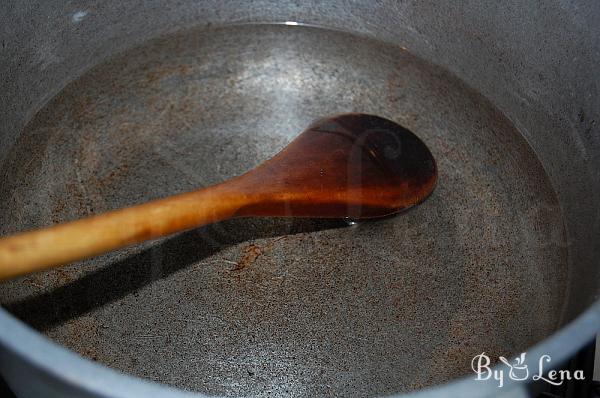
[70, 370]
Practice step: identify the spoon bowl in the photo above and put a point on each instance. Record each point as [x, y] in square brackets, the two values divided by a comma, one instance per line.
[352, 165]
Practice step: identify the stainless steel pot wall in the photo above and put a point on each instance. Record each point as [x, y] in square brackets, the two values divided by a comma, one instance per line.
[536, 62]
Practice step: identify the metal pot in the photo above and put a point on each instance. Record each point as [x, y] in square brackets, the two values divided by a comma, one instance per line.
[111, 103]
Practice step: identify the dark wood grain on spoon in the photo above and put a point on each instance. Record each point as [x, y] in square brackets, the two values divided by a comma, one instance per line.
[352, 165]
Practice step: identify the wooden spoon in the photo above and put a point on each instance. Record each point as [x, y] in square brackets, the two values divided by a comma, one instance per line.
[352, 165]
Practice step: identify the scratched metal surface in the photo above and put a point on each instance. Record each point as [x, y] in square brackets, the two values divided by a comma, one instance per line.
[284, 307]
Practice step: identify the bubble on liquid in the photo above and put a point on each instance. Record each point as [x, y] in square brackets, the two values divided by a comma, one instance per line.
[78, 16]
[351, 222]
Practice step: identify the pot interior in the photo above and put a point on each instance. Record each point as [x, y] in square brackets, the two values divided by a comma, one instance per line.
[285, 306]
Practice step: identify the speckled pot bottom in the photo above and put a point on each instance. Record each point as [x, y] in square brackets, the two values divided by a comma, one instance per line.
[280, 306]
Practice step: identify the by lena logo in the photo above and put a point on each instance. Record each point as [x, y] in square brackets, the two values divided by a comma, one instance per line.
[519, 370]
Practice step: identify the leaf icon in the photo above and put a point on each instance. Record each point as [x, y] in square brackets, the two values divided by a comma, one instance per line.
[505, 361]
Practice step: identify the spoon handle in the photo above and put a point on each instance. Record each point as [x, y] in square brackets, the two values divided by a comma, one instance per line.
[60, 244]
